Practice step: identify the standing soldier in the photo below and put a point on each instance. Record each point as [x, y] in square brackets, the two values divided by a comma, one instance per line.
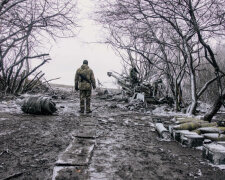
[134, 77]
[84, 81]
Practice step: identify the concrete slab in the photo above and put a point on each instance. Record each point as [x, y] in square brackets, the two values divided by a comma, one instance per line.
[70, 172]
[85, 132]
[78, 153]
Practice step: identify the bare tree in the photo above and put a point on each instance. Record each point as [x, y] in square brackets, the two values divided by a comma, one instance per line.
[177, 35]
[24, 25]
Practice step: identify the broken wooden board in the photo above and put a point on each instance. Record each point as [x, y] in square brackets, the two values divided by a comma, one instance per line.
[214, 152]
[69, 172]
[192, 140]
[85, 132]
[78, 153]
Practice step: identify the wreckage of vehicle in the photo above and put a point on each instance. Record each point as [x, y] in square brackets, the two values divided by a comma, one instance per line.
[152, 93]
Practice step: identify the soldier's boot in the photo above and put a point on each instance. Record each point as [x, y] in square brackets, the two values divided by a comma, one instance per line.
[81, 105]
[88, 105]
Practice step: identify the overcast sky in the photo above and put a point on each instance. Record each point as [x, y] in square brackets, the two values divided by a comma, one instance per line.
[68, 54]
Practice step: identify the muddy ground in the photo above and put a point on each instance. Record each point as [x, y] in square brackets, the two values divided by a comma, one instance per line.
[127, 146]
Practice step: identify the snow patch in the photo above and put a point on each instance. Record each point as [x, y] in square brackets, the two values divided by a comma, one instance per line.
[222, 167]
[164, 111]
[10, 107]
[203, 107]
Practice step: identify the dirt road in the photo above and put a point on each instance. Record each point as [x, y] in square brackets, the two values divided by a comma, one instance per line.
[127, 146]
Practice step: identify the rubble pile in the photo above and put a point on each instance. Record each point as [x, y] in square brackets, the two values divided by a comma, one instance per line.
[193, 132]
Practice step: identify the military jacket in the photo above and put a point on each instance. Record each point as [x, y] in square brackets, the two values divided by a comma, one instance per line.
[85, 78]
[133, 76]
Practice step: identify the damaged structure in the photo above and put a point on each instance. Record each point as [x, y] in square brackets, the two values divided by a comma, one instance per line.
[153, 93]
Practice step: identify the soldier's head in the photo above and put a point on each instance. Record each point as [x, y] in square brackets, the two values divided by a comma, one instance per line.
[85, 62]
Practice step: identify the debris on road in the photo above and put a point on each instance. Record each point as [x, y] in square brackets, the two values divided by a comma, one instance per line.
[38, 105]
[152, 93]
[163, 132]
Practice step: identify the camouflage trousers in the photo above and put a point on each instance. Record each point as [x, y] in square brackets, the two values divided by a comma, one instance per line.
[85, 95]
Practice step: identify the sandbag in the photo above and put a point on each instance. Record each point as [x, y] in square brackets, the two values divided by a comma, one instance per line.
[38, 105]
[215, 136]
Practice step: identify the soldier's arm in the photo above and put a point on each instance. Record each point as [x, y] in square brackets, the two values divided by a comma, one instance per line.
[76, 79]
[93, 80]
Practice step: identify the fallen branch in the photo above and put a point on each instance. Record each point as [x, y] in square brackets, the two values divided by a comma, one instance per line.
[51, 80]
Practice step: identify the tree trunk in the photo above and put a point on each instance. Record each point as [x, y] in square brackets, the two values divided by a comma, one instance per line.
[178, 97]
[214, 109]
[193, 106]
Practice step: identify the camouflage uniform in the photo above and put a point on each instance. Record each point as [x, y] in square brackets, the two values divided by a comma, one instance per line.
[133, 77]
[84, 81]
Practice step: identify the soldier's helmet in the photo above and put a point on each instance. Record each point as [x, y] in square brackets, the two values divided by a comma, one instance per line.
[85, 61]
